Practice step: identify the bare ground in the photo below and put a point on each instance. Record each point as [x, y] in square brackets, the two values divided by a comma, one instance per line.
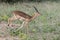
[4, 34]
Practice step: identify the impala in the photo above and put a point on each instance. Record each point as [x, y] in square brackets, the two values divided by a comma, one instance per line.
[23, 16]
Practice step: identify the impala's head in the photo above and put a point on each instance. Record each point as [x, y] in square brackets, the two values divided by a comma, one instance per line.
[37, 12]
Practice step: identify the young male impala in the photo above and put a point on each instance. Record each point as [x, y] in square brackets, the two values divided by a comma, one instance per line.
[23, 16]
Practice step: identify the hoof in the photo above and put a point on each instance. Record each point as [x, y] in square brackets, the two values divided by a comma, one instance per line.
[8, 24]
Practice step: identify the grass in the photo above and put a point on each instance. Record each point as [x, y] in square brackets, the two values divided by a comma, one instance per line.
[44, 27]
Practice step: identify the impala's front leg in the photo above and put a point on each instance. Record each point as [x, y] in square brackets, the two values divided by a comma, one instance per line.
[26, 25]
[21, 26]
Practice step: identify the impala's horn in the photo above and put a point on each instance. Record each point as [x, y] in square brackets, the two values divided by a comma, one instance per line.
[36, 9]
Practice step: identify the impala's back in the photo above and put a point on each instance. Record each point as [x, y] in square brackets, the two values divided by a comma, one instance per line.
[22, 14]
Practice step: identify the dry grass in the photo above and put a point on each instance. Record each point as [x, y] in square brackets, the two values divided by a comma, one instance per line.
[44, 27]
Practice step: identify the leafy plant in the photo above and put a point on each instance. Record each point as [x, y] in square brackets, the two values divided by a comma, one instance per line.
[4, 18]
[22, 35]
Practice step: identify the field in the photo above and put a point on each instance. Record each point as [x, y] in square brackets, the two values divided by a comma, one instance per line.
[44, 27]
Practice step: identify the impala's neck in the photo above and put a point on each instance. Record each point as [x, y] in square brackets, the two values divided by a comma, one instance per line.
[35, 15]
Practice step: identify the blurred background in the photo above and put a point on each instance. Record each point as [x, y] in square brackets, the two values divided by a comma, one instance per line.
[15, 1]
[44, 27]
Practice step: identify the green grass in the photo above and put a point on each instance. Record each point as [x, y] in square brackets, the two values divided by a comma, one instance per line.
[44, 27]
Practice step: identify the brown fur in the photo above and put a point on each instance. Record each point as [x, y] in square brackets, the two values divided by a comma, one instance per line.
[22, 14]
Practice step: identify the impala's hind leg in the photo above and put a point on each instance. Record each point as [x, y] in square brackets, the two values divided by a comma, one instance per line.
[10, 20]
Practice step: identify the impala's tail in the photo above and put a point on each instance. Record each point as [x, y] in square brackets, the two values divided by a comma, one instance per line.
[36, 9]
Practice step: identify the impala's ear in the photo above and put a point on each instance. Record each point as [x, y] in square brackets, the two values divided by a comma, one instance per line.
[36, 9]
